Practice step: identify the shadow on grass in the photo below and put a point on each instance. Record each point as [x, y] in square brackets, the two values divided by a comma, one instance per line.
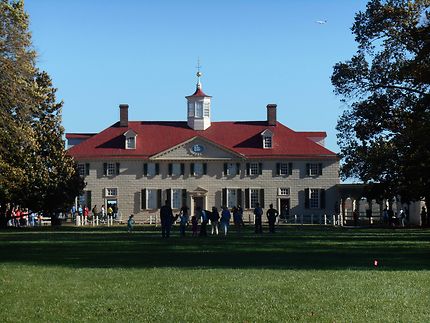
[290, 248]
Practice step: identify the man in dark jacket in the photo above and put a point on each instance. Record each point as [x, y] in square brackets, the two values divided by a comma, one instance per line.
[166, 217]
[271, 216]
[258, 212]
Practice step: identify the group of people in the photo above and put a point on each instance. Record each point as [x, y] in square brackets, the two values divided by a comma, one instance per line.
[103, 213]
[219, 221]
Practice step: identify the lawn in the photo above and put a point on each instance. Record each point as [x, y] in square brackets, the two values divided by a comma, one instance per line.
[308, 274]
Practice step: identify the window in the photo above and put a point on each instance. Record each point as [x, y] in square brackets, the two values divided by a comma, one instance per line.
[231, 198]
[284, 191]
[198, 169]
[254, 198]
[81, 169]
[254, 168]
[176, 169]
[176, 198]
[314, 198]
[85, 199]
[284, 169]
[267, 142]
[110, 169]
[199, 109]
[110, 192]
[130, 143]
[151, 169]
[151, 197]
[231, 169]
[314, 169]
[191, 109]
[267, 136]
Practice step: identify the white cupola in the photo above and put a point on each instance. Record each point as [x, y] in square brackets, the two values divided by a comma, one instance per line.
[199, 108]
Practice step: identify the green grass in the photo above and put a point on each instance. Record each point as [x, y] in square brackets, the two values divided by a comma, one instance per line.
[308, 274]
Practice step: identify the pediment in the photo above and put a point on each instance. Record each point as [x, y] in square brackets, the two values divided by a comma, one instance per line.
[267, 132]
[197, 148]
[130, 133]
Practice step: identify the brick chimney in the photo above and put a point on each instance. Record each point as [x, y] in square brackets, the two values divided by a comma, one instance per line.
[271, 114]
[123, 115]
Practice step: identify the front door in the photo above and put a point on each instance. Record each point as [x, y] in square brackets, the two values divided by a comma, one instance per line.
[199, 202]
[284, 205]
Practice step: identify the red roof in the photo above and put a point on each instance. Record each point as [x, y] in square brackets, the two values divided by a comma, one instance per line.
[198, 92]
[242, 137]
[79, 135]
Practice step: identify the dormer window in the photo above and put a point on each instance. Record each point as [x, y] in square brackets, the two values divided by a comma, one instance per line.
[130, 139]
[267, 136]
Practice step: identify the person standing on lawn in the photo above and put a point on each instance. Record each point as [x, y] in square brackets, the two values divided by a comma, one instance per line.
[258, 212]
[272, 214]
[130, 223]
[183, 223]
[225, 219]
[214, 220]
[166, 217]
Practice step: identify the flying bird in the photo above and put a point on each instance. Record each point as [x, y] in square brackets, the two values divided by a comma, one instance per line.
[321, 22]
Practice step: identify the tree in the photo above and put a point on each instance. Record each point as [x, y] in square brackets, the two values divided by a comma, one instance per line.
[384, 133]
[35, 170]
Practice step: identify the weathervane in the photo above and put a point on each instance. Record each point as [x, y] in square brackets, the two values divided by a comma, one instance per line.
[199, 85]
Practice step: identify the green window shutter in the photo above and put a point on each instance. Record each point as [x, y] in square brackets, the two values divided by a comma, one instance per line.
[182, 168]
[247, 200]
[89, 200]
[262, 198]
[239, 197]
[184, 197]
[117, 166]
[105, 169]
[306, 198]
[237, 168]
[260, 168]
[290, 168]
[205, 168]
[224, 197]
[170, 169]
[322, 198]
[157, 169]
[308, 169]
[192, 169]
[145, 169]
[225, 169]
[278, 168]
[143, 199]
[159, 198]
[87, 169]
[320, 167]
[248, 166]
[169, 196]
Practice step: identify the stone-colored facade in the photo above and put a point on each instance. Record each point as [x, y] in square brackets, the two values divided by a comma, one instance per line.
[131, 181]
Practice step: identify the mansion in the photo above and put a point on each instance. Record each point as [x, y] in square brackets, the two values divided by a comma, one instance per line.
[140, 164]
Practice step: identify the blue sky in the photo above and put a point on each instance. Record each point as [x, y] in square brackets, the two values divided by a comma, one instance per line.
[102, 53]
